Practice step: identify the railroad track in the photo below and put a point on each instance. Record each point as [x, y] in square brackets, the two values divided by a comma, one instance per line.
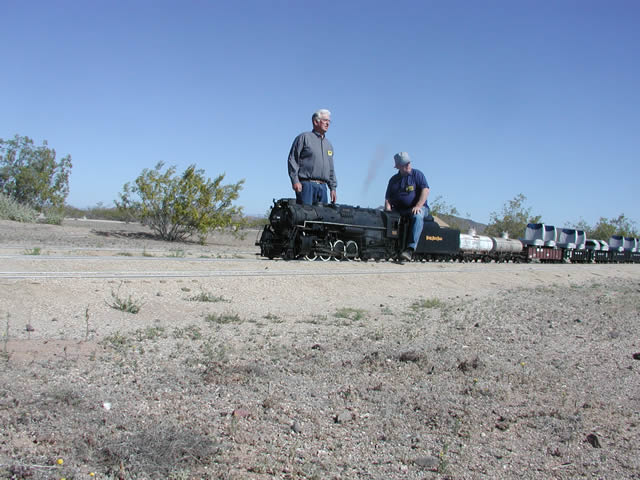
[114, 267]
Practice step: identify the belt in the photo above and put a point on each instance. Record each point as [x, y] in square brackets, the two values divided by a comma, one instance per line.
[313, 180]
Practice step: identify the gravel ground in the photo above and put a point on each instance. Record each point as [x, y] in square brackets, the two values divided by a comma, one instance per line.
[237, 367]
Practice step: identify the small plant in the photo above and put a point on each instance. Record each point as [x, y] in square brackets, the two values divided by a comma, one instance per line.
[149, 333]
[5, 341]
[443, 464]
[117, 341]
[350, 313]
[192, 332]
[176, 253]
[125, 254]
[86, 320]
[223, 318]
[207, 297]
[33, 251]
[128, 304]
[271, 316]
[425, 304]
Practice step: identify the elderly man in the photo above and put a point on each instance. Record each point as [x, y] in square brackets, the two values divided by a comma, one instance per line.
[311, 163]
[407, 194]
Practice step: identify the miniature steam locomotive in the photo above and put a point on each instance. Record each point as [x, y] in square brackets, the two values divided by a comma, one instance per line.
[344, 232]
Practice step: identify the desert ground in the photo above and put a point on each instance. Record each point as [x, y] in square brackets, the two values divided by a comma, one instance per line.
[125, 357]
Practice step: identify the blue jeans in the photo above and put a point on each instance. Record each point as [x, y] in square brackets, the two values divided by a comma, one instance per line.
[311, 193]
[417, 222]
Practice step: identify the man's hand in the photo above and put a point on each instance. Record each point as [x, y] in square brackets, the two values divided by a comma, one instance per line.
[297, 187]
[415, 210]
[333, 195]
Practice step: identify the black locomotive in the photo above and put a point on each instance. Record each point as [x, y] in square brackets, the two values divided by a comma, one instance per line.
[336, 231]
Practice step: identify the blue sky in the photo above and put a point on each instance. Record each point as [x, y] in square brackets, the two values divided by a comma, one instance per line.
[490, 98]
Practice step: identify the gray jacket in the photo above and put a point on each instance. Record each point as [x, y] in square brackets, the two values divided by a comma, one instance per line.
[311, 158]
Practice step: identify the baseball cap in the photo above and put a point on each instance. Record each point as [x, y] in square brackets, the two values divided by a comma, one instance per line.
[401, 158]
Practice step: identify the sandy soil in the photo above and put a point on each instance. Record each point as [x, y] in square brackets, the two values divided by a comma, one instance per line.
[239, 367]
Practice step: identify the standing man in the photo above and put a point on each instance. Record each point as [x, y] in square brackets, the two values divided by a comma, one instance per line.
[407, 194]
[311, 163]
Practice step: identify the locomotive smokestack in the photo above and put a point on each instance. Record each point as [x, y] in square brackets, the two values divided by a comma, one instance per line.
[374, 165]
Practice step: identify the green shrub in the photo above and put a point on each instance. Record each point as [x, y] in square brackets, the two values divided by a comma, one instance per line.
[176, 207]
[12, 210]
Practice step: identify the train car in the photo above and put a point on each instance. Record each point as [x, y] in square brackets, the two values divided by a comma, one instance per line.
[474, 247]
[344, 232]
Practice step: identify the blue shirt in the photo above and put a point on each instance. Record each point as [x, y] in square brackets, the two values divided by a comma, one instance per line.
[404, 191]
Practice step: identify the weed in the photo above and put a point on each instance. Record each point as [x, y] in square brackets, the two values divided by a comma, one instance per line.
[176, 253]
[124, 254]
[214, 354]
[444, 462]
[5, 341]
[223, 318]
[191, 332]
[129, 304]
[33, 251]
[86, 320]
[149, 333]
[350, 313]
[207, 297]
[271, 316]
[424, 304]
[117, 341]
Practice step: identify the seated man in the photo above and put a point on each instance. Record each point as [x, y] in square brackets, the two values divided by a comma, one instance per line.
[407, 194]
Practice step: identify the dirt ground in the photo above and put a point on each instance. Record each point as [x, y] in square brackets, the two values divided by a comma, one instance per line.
[125, 357]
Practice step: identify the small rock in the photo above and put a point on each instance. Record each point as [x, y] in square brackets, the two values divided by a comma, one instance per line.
[29, 328]
[592, 439]
[343, 417]
[636, 356]
[410, 356]
[428, 461]
[241, 413]
[295, 426]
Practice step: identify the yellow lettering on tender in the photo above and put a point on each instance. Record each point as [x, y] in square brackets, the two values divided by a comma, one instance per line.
[433, 239]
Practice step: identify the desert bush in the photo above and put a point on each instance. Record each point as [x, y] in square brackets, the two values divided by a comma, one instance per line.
[176, 207]
[129, 304]
[31, 175]
[207, 297]
[607, 227]
[223, 318]
[350, 313]
[424, 304]
[514, 219]
[10, 209]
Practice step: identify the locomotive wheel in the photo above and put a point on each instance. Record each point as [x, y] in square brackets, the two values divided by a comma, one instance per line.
[325, 257]
[339, 250]
[311, 257]
[351, 250]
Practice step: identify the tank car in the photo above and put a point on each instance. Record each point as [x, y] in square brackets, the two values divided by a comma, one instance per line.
[474, 247]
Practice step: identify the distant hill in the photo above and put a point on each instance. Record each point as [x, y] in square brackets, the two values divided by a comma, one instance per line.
[462, 224]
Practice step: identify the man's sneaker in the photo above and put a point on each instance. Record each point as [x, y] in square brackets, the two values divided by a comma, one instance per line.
[407, 254]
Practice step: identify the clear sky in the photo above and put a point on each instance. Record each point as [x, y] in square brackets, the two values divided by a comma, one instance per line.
[490, 98]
